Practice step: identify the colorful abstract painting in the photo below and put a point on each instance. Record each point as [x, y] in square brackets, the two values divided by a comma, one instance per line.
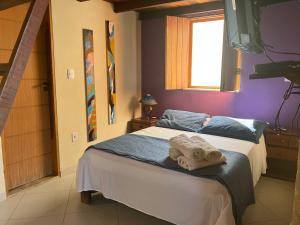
[88, 48]
[111, 75]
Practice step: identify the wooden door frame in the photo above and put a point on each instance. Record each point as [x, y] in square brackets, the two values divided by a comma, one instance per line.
[53, 100]
[3, 157]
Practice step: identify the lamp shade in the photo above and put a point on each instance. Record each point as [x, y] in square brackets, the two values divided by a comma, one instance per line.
[148, 100]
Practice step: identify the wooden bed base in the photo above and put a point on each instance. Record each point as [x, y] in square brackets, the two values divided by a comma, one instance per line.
[86, 197]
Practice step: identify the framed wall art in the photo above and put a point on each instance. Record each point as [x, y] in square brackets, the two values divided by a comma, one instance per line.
[111, 70]
[88, 47]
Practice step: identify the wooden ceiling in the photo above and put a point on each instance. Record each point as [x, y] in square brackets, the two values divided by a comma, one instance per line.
[158, 8]
[5, 4]
[142, 5]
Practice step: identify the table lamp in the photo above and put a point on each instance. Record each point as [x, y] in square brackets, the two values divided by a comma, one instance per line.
[148, 101]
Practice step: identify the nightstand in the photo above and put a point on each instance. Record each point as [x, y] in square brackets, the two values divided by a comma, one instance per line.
[141, 123]
[282, 153]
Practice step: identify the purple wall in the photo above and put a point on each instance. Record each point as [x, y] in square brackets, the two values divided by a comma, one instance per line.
[259, 99]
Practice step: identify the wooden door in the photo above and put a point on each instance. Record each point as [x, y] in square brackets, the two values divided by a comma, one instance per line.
[27, 136]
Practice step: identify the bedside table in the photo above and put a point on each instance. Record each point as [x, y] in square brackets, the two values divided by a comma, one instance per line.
[141, 123]
[282, 153]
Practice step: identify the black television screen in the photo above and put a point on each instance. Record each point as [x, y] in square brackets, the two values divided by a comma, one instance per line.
[242, 22]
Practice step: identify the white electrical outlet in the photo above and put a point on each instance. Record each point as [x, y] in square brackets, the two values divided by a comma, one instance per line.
[70, 74]
[74, 136]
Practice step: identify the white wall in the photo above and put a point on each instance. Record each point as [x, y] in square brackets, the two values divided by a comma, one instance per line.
[69, 17]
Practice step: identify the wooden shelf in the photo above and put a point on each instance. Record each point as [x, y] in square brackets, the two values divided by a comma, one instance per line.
[142, 123]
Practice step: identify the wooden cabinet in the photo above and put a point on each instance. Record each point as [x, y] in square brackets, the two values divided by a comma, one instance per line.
[282, 153]
[140, 123]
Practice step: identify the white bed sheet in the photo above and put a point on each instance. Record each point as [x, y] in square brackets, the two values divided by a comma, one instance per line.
[169, 195]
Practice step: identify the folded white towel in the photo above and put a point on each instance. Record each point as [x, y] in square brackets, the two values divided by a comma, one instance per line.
[211, 153]
[187, 147]
[197, 139]
[174, 153]
[190, 164]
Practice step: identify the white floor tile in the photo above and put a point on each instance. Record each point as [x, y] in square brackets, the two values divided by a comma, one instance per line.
[271, 222]
[55, 201]
[9, 205]
[99, 218]
[53, 184]
[257, 213]
[275, 201]
[41, 205]
[279, 201]
[73, 186]
[2, 222]
[265, 184]
[53, 220]
[129, 216]
[98, 204]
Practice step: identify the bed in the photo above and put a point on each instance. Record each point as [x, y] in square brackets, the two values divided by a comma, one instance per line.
[175, 197]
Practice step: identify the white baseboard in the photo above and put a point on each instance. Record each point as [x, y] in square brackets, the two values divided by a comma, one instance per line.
[68, 171]
[2, 196]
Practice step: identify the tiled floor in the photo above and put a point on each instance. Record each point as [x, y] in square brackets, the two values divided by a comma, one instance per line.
[55, 202]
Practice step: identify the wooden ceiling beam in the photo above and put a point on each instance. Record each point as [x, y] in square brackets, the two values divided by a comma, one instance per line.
[19, 57]
[183, 10]
[124, 6]
[6, 4]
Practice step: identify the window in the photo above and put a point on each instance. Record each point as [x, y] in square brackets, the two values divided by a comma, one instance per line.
[196, 56]
[206, 48]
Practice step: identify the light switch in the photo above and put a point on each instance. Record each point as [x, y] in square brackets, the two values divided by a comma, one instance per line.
[74, 136]
[70, 74]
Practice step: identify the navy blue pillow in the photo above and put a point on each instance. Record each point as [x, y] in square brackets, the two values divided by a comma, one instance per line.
[243, 129]
[182, 120]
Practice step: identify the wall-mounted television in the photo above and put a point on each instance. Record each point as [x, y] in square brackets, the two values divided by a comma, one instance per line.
[242, 22]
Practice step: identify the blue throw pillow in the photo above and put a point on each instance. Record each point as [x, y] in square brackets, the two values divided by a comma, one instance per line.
[182, 120]
[243, 129]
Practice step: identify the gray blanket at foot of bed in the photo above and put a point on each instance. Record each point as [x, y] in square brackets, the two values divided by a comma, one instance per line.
[235, 174]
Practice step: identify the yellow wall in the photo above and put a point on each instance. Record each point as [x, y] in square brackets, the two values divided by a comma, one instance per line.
[69, 17]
